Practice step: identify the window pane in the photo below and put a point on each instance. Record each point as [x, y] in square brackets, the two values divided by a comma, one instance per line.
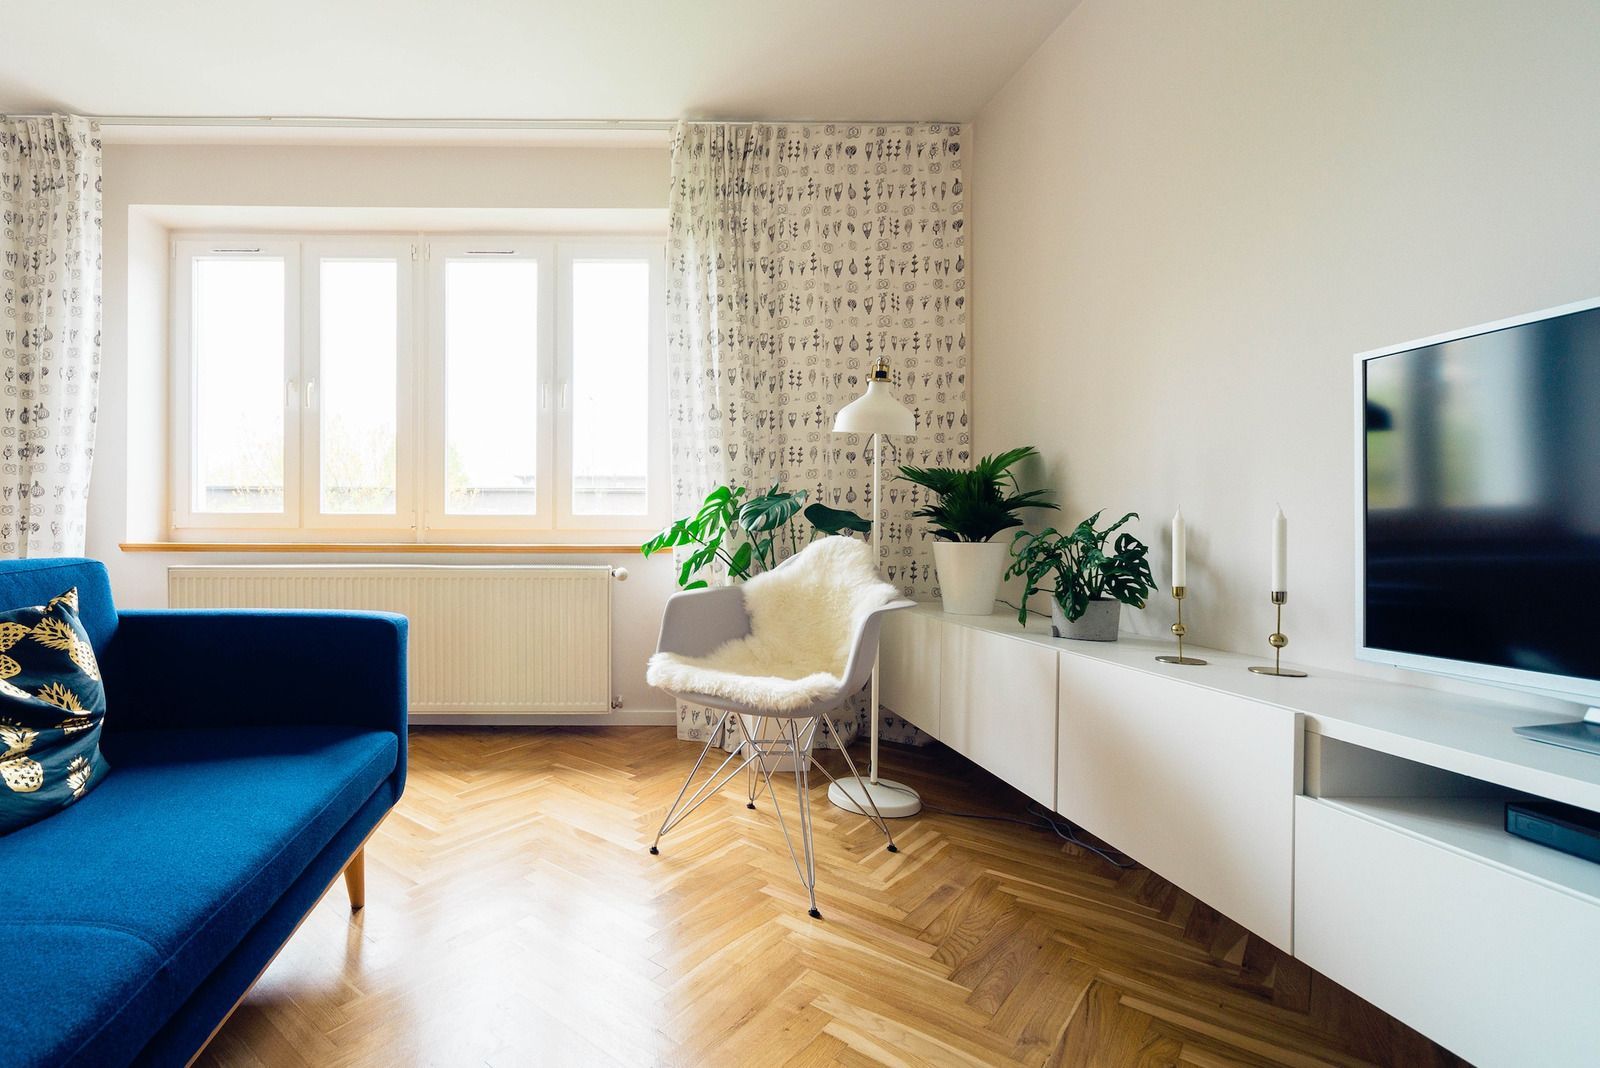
[360, 369]
[610, 386]
[491, 386]
[239, 385]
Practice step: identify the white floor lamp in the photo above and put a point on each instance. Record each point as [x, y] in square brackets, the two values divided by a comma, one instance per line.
[876, 413]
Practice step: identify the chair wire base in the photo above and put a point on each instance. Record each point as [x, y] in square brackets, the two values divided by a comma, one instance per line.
[793, 742]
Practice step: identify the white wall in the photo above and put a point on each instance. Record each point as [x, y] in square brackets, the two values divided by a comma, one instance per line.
[1188, 216]
[129, 474]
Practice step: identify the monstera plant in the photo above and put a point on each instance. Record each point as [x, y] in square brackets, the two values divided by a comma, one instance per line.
[744, 534]
[1088, 580]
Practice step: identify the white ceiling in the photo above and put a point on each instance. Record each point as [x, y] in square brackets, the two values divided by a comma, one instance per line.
[519, 59]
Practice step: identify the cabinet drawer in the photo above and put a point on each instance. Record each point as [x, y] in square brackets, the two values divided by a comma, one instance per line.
[1196, 784]
[1494, 965]
[910, 669]
[998, 707]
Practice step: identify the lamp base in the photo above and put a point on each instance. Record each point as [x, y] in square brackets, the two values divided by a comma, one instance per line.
[894, 800]
[1287, 673]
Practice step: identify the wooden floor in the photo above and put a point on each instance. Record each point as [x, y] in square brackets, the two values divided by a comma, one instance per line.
[514, 917]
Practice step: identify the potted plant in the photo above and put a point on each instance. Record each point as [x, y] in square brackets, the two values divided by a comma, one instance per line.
[1087, 585]
[743, 534]
[969, 508]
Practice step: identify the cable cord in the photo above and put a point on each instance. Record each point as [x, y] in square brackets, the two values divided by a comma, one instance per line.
[1031, 608]
[1064, 829]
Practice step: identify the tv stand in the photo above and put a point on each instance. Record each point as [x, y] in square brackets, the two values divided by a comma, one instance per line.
[1582, 735]
[1357, 824]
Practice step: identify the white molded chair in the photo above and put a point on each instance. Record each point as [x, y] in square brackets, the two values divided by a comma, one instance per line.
[785, 649]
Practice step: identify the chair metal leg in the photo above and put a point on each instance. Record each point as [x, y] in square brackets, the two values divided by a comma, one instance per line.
[674, 815]
[755, 755]
[802, 786]
[875, 816]
[753, 785]
[806, 870]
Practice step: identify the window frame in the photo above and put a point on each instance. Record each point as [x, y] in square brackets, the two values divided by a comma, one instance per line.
[657, 470]
[313, 250]
[186, 381]
[440, 251]
[420, 492]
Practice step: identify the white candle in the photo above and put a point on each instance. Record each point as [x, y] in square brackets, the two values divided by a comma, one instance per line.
[1280, 552]
[1180, 551]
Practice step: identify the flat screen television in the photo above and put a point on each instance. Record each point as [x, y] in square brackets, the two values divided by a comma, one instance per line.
[1478, 520]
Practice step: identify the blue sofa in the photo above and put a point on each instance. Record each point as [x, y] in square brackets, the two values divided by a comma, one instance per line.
[251, 755]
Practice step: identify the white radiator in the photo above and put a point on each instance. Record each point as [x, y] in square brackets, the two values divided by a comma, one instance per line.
[483, 639]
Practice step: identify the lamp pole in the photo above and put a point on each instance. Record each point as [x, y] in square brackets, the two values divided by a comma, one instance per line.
[877, 562]
[877, 413]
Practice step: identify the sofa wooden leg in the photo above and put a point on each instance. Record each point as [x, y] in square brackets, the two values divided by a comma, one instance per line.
[355, 879]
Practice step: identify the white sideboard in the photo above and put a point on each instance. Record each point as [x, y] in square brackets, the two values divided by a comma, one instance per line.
[1355, 823]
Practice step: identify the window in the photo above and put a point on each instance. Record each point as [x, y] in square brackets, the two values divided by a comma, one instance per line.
[427, 387]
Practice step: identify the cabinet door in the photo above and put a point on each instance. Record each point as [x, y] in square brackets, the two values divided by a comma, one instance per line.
[1495, 964]
[998, 707]
[909, 669]
[1196, 784]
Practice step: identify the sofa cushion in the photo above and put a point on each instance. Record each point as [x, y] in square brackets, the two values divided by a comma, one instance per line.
[51, 709]
[36, 581]
[165, 868]
[57, 978]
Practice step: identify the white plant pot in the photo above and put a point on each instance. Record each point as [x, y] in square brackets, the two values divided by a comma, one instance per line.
[969, 574]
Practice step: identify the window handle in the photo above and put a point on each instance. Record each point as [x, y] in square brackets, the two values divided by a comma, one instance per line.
[544, 397]
[311, 393]
[565, 390]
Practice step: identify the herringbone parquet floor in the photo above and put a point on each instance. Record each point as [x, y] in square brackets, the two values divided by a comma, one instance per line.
[514, 918]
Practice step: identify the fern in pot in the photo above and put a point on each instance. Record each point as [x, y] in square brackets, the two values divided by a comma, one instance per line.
[1088, 583]
[968, 509]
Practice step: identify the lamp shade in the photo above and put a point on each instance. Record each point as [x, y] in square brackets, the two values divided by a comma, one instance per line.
[875, 412]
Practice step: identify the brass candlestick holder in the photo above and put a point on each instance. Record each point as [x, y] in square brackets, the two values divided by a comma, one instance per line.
[1278, 640]
[1179, 630]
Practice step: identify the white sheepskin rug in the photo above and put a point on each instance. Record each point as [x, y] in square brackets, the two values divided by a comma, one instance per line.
[804, 616]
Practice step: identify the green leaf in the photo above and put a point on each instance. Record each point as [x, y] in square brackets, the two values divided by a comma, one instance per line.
[975, 505]
[771, 510]
[763, 547]
[833, 520]
[740, 565]
[678, 533]
[695, 561]
[1081, 569]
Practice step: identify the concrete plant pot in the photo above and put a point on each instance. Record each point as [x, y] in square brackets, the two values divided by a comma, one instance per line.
[969, 574]
[1098, 623]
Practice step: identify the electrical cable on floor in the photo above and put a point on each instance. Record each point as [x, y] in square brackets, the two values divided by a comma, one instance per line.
[1064, 829]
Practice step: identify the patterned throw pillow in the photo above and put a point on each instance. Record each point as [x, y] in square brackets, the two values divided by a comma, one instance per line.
[51, 707]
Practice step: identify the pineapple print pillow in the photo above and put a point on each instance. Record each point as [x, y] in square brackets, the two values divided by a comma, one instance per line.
[51, 706]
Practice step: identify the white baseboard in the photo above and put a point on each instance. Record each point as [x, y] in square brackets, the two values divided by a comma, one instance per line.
[624, 717]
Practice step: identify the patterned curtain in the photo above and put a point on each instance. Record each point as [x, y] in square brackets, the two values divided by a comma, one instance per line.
[50, 334]
[796, 256]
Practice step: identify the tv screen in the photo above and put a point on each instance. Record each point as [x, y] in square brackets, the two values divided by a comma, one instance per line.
[1482, 501]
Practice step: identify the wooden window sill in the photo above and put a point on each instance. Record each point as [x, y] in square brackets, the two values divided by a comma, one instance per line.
[471, 548]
